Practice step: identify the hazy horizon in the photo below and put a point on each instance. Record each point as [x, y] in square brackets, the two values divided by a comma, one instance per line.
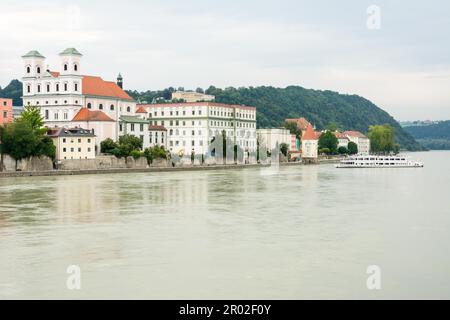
[403, 67]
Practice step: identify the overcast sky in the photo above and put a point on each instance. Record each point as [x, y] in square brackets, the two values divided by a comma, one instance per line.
[403, 67]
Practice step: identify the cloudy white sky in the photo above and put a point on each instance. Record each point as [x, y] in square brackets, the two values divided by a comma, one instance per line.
[404, 67]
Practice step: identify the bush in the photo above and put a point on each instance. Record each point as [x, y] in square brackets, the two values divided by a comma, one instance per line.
[136, 154]
[324, 151]
[342, 150]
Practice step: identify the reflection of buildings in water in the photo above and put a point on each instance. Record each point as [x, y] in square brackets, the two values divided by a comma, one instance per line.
[86, 199]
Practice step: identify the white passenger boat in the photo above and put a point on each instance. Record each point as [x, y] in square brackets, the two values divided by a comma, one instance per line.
[374, 161]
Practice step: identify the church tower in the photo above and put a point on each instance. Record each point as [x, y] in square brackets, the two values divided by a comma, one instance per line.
[70, 62]
[34, 64]
[120, 81]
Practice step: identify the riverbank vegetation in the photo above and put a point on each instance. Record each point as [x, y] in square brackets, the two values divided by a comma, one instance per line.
[382, 139]
[25, 137]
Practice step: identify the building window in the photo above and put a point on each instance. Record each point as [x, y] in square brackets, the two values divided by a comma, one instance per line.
[39, 70]
[56, 116]
[65, 86]
[89, 140]
[89, 149]
[132, 127]
[120, 127]
[128, 109]
[65, 67]
[193, 143]
[76, 86]
[57, 87]
[48, 88]
[111, 107]
[28, 88]
[64, 149]
[71, 149]
[79, 149]
[89, 105]
[28, 69]
[65, 116]
[100, 106]
[75, 67]
[142, 127]
[39, 88]
[46, 114]
[79, 140]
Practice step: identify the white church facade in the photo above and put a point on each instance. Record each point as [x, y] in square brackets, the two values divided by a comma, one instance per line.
[68, 98]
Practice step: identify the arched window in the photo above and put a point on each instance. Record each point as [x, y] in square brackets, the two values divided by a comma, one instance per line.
[48, 87]
[65, 86]
[75, 67]
[39, 88]
[38, 69]
[76, 86]
[65, 67]
[128, 109]
[111, 107]
[28, 69]
[100, 106]
[57, 87]
[28, 88]
[89, 105]
[171, 132]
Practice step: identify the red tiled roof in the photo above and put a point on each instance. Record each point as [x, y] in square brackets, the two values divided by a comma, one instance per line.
[355, 134]
[310, 134]
[96, 86]
[340, 135]
[54, 74]
[141, 109]
[188, 104]
[157, 128]
[87, 115]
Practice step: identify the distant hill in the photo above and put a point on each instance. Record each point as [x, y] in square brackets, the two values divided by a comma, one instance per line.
[13, 91]
[434, 136]
[349, 112]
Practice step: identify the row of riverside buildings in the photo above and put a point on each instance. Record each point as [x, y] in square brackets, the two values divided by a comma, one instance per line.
[81, 111]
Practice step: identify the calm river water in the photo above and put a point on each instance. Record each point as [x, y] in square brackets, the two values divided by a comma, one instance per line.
[302, 232]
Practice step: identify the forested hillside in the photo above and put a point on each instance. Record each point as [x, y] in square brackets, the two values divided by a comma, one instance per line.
[13, 91]
[434, 136]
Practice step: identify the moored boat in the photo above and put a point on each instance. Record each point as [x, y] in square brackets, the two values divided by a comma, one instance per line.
[379, 161]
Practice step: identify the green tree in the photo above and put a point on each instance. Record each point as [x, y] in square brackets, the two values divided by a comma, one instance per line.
[382, 138]
[155, 152]
[284, 149]
[328, 141]
[342, 150]
[19, 140]
[352, 148]
[107, 146]
[32, 115]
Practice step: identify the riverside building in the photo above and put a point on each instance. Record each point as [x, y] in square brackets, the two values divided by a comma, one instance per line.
[193, 127]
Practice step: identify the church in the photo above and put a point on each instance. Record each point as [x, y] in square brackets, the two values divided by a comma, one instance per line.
[68, 98]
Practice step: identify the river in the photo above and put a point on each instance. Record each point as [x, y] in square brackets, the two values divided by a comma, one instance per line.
[299, 232]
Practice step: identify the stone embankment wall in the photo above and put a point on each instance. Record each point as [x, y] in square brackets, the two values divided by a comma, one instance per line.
[31, 164]
[103, 162]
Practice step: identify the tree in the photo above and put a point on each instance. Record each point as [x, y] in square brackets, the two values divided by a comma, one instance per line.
[107, 146]
[382, 138]
[155, 152]
[293, 128]
[32, 115]
[328, 141]
[19, 140]
[342, 150]
[333, 126]
[352, 148]
[199, 90]
[284, 149]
